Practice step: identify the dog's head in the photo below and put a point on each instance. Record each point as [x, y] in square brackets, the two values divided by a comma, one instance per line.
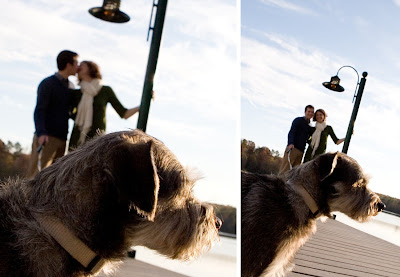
[148, 180]
[339, 184]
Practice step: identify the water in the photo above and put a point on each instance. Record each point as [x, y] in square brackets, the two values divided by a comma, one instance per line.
[219, 261]
[384, 226]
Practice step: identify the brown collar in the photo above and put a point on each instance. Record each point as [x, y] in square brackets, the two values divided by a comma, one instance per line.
[310, 202]
[73, 245]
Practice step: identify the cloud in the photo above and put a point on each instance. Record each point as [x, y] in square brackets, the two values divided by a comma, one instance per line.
[212, 25]
[278, 72]
[288, 6]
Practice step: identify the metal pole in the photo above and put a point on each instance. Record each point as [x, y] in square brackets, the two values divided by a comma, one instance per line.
[152, 64]
[354, 113]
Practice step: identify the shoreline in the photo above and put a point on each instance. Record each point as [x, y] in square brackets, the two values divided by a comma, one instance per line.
[384, 226]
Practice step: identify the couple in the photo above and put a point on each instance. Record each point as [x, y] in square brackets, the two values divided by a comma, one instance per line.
[57, 101]
[302, 133]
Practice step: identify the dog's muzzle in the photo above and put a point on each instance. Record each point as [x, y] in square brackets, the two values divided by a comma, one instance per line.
[218, 223]
[380, 206]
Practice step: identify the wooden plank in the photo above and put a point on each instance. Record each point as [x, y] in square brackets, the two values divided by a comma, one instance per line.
[133, 267]
[348, 261]
[295, 274]
[348, 235]
[345, 264]
[310, 271]
[361, 245]
[340, 268]
[337, 249]
[353, 253]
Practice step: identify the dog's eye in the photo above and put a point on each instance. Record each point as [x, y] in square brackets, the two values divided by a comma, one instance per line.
[333, 190]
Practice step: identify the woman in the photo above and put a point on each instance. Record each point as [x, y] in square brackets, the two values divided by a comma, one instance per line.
[91, 101]
[319, 138]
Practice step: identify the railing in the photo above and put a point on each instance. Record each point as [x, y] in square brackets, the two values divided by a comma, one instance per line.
[391, 213]
[229, 235]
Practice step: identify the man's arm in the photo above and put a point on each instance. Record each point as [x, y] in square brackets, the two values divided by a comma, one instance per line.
[292, 132]
[42, 103]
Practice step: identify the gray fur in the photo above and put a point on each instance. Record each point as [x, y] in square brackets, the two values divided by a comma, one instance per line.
[116, 191]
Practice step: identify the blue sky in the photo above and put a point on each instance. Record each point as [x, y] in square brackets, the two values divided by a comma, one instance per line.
[288, 48]
[195, 112]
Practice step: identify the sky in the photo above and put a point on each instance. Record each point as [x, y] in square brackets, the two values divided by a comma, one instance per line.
[197, 95]
[288, 48]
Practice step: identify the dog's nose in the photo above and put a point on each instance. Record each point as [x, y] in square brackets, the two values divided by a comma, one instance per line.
[381, 206]
[218, 223]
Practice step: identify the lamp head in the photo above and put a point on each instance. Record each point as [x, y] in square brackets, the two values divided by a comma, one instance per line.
[110, 12]
[334, 84]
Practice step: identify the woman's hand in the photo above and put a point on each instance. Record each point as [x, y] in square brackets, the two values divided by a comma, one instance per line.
[339, 141]
[131, 112]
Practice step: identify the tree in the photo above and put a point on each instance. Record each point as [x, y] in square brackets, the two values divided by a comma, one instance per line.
[259, 160]
[392, 204]
[228, 215]
[12, 161]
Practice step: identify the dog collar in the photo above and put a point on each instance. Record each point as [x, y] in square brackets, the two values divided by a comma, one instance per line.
[310, 202]
[73, 245]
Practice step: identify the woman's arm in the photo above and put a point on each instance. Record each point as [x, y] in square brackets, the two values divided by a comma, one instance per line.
[334, 137]
[339, 141]
[131, 112]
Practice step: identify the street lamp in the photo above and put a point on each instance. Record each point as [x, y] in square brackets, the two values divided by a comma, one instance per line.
[110, 12]
[334, 84]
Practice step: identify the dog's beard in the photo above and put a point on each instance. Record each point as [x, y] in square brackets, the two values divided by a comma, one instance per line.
[359, 203]
[182, 233]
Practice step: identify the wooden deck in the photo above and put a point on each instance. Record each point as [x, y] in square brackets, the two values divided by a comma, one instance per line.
[132, 267]
[337, 249]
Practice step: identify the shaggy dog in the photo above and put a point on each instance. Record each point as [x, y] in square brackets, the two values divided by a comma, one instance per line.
[88, 209]
[279, 213]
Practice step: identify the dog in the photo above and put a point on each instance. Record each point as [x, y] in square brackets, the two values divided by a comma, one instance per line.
[279, 212]
[83, 213]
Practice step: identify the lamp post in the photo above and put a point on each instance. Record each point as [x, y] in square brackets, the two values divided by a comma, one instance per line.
[152, 63]
[334, 84]
[110, 12]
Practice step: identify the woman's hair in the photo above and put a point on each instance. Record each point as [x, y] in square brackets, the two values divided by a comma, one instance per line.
[94, 70]
[321, 111]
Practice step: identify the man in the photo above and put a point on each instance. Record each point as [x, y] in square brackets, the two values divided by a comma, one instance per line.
[52, 113]
[297, 139]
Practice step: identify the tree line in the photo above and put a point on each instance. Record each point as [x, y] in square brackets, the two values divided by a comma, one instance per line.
[12, 161]
[228, 216]
[392, 204]
[259, 160]
[265, 161]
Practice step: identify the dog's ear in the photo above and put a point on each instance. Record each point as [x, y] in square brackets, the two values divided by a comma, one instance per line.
[326, 164]
[135, 176]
